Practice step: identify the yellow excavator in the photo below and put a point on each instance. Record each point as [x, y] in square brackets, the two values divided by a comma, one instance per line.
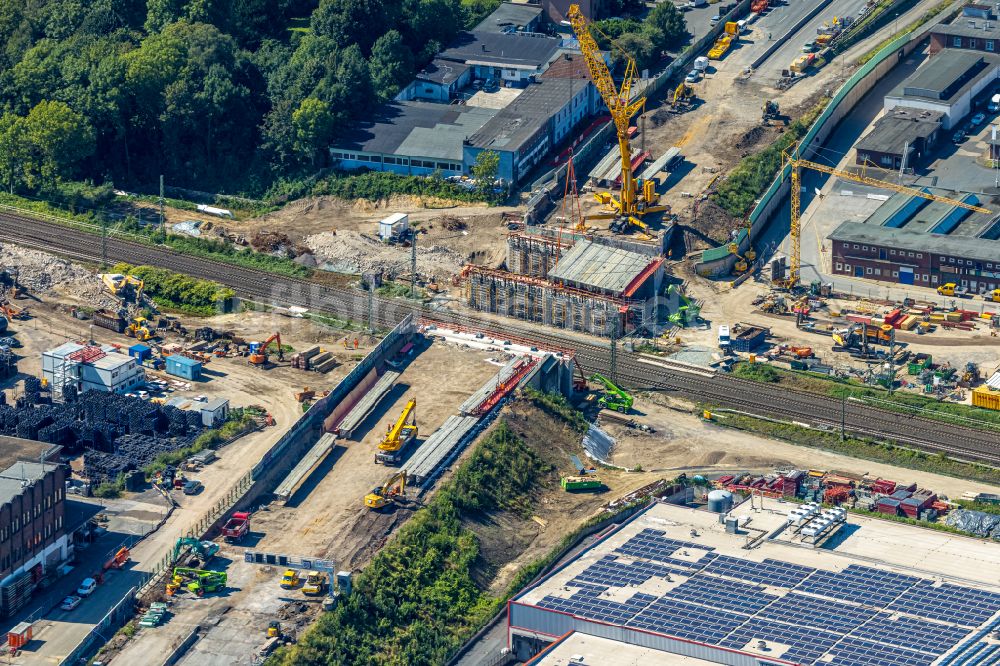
[743, 263]
[124, 286]
[683, 94]
[390, 491]
[390, 449]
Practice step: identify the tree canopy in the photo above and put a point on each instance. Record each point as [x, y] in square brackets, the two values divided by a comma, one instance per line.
[214, 94]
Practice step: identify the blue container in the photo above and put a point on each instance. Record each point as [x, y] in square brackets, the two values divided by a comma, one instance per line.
[140, 352]
[182, 366]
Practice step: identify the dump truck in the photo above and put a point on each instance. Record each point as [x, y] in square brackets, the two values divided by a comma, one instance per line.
[613, 398]
[236, 527]
[290, 580]
[398, 436]
[725, 41]
[315, 585]
[952, 289]
[110, 320]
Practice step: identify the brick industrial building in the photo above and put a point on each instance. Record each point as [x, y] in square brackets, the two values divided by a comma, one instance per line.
[34, 534]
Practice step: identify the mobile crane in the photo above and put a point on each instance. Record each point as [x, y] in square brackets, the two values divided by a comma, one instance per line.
[796, 163]
[613, 398]
[388, 492]
[399, 436]
[258, 355]
[618, 100]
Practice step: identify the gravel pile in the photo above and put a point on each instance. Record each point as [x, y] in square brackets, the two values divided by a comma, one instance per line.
[40, 272]
[353, 252]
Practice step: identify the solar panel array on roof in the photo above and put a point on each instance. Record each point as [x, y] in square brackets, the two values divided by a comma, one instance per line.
[863, 585]
[951, 603]
[720, 593]
[856, 652]
[861, 616]
[684, 620]
[805, 644]
[769, 572]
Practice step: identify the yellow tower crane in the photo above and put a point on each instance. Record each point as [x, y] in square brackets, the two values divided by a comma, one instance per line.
[795, 263]
[622, 108]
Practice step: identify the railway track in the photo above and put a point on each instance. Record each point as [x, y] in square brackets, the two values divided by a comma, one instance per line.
[723, 390]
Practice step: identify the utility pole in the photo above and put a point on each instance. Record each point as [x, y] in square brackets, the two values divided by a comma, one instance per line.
[614, 348]
[104, 241]
[163, 234]
[413, 264]
[371, 304]
[843, 416]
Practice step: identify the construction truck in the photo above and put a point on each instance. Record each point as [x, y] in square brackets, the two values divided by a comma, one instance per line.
[258, 351]
[315, 585]
[290, 580]
[613, 397]
[992, 296]
[390, 491]
[237, 526]
[201, 551]
[725, 41]
[398, 436]
[140, 328]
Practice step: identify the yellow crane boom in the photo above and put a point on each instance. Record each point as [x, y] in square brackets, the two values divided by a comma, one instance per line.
[398, 435]
[795, 264]
[617, 100]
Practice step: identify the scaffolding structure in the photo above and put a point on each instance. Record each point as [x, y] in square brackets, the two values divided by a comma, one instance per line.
[537, 300]
[534, 255]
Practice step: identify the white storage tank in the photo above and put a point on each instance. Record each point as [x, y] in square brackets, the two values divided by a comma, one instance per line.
[720, 501]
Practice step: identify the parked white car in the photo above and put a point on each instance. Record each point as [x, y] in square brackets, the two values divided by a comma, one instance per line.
[70, 602]
[87, 587]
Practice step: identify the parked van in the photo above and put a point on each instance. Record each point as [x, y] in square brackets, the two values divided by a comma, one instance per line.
[742, 25]
[701, 64]
[994, 104]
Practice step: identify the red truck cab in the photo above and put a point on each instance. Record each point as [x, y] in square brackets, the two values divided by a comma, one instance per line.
[237, 526]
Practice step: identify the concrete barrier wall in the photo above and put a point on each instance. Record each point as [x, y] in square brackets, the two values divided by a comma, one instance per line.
[339, 411]
[843, 102]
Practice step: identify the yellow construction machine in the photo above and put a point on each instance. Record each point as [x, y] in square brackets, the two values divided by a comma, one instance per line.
[140, 328]
[390, 491]
[743, 263]
[123, 286]
[683, 93]
[621, 107]
[390, 449]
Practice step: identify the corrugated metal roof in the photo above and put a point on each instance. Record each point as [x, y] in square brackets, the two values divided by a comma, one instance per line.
[969, 247]
[599, 266]
[994, 381]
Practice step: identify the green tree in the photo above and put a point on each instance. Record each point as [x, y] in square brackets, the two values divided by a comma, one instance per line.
[391, 64]
[13, 154]
[314, 127]
[485, 171]
[349, 22]
[57, 138]
[666, 27]
[161, 13]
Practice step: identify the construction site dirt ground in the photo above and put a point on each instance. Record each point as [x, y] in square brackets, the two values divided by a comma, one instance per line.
[326, 516]
[684, 443]
[725, 305]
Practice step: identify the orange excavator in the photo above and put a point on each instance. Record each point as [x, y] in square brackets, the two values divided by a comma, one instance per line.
[258, 354]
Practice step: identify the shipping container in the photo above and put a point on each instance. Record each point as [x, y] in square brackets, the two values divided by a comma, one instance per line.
[983, 396]
[749, 338]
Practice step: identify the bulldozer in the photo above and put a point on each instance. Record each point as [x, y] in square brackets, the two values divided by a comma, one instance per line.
[391, 491]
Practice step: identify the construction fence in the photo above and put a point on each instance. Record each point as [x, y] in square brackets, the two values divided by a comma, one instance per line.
[719, 261]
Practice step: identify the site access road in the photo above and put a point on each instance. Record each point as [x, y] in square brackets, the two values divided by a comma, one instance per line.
[342, 302]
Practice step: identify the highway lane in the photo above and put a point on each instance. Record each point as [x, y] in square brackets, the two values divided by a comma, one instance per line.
[722, 390]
